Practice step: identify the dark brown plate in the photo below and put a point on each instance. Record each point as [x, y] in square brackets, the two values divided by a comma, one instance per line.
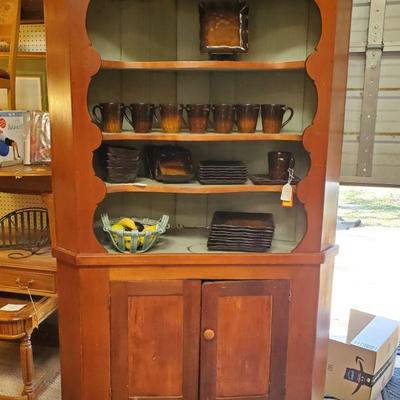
[266, 180]
[223, 182]
[252, 221]
[222, 164]
[238, 248]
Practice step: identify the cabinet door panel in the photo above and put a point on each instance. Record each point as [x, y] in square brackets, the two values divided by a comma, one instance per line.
[155, 339]
[247, 356]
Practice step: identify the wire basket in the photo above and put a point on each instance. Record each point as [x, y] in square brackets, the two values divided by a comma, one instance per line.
[25, 228]
[140, 242]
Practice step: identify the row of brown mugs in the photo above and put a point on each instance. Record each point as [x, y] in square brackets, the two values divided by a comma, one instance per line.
[171, 118]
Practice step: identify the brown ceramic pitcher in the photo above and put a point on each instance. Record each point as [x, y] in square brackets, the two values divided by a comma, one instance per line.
[272, 117]
[223, 118]
[171, 117]
[142, 115]
[111, 116]
[246, 117]
[279, 163]
[198, 115]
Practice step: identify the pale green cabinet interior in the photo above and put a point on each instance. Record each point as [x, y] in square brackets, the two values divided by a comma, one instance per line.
[168, 30]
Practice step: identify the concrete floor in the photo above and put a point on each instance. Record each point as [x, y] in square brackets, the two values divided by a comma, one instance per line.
[367, 274]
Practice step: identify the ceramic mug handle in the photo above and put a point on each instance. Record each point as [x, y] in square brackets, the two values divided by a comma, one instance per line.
[130, 120]
[153, 110]
[98, 120]
[235, 119]
[292, 162]
[182, 108]
[287, 108]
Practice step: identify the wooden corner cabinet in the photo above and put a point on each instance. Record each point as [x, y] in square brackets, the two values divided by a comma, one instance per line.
[179, 321]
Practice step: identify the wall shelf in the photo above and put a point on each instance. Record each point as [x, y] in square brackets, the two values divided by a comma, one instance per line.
[204, 137]
[26, 55]
[20, 171]
[145, 185]
[204, 65]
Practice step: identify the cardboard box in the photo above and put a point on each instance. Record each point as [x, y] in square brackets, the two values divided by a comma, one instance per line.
[12, 137]
[360, 367]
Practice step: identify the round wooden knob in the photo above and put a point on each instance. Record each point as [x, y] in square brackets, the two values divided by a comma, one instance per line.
[209, 334]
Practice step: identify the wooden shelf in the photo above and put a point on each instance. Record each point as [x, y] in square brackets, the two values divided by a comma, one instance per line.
[26, 55]
[194, 241]
[145, 185]
[204, 65]
[25, 179]
[20, 171]
[40, 262]
[204, 137]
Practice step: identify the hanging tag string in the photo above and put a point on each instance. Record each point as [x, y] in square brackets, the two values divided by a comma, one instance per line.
[291, 175]
[36, 315]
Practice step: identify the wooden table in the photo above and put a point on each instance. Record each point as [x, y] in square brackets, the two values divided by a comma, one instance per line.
[18, 325]
[37, 272]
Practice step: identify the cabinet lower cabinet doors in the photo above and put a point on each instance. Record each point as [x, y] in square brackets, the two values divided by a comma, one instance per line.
[246, 358]
[188, 340]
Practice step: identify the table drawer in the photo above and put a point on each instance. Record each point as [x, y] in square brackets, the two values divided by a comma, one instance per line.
[16, 280]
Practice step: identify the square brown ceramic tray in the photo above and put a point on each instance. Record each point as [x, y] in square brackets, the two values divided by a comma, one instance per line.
[173, 164]
[224, 27]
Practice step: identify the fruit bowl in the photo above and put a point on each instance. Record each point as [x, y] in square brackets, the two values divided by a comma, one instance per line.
[134, 235]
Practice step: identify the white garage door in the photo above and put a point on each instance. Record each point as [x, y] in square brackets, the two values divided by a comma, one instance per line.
[371, 151]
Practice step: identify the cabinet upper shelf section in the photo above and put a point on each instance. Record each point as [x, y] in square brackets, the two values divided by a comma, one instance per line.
[204, 65]
[204, 137]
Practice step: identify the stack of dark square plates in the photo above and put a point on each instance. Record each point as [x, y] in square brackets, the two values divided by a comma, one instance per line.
[222, 172]
[122, 164]
[238, 231]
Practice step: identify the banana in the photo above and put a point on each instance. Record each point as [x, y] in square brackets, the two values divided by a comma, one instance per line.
[128, 224]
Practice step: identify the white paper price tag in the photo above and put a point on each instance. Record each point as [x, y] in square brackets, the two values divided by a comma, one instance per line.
[12, 307]
[287, 192]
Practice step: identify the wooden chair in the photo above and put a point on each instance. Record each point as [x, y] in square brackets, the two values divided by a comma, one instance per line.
[10, 14]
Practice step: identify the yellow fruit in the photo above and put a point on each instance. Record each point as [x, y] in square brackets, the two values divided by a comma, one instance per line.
[128, 224]
[128, 242]
[117, 227]
[150, 228]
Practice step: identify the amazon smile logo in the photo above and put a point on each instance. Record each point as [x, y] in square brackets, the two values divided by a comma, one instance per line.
[358, 376]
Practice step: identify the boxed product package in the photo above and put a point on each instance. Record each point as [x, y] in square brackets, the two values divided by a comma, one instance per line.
[359, 367]
[12, 136]
[38, 138]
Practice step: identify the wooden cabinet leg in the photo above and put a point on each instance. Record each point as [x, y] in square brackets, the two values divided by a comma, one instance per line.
[27, 365]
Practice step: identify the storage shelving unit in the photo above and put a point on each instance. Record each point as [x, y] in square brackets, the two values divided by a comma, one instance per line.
[148, 51]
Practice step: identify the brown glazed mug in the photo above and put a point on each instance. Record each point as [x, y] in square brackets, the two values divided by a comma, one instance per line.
[272, 117]
[171, 117]
[223, 118]
[246, 117]
[279, 163]
[198, 115]
[111, 116]
[142, 115]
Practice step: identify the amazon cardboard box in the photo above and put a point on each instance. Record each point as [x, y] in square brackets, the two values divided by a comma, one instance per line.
[361, 366]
